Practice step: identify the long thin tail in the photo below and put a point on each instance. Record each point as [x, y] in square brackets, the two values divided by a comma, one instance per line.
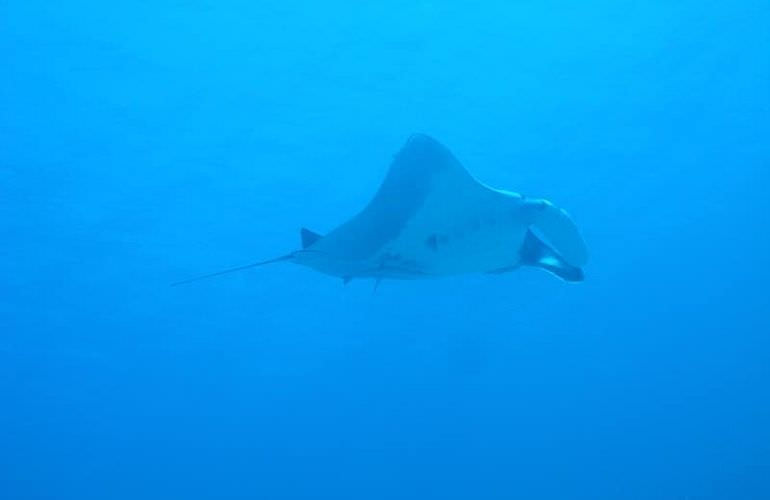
[234, 269]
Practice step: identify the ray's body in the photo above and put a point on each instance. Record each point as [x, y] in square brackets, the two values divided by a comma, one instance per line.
[431, 218]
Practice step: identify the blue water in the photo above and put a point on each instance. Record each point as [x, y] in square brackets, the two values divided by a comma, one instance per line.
[145, 142]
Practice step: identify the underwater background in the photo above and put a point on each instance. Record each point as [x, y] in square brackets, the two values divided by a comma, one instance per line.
[146, 142]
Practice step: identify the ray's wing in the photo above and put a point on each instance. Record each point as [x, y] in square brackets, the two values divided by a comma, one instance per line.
[417, 169]
[415, 166]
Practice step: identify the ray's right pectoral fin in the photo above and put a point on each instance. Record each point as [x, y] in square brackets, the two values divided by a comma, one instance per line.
[536, 253]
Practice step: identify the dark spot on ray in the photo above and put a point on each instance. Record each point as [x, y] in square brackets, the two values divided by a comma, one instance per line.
[432, 242]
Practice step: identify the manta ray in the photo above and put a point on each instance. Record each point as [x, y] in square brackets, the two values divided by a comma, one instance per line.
[430, 218]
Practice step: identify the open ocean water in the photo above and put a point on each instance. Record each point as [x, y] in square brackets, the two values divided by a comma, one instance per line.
[146, 142]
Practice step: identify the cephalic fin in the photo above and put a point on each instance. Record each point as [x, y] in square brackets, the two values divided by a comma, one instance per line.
[536, 253]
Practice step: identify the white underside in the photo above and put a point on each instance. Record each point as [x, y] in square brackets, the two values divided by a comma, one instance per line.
[477, 232]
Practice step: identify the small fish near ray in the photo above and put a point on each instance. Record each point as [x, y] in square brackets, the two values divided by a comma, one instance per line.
[430, 218]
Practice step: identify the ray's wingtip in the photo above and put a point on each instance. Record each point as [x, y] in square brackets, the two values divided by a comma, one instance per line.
[424, 148]
[421, 139]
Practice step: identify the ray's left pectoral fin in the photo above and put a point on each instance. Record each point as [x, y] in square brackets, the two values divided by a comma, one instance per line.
[536, 253]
